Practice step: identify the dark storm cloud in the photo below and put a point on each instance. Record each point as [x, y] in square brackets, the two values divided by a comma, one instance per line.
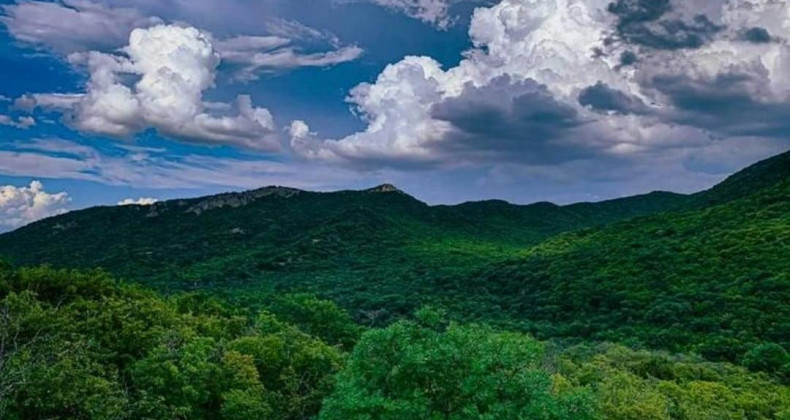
[649, 23]
[756, 35]
[518, 120]
[628, 58]
[601, 97]
[725, 104]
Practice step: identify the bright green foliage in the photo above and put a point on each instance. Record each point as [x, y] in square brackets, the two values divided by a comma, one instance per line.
[321, 318]
[642, 385]
[411, 371]
[89, 348]
[295, 365]
[79, 346]
[430, 369]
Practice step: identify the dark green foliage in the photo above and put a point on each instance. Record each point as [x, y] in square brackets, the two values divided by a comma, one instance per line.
[246, 238]
[706, 273]
[714, 281]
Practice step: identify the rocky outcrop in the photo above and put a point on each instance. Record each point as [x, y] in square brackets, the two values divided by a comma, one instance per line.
[234, 200]
[384, 188]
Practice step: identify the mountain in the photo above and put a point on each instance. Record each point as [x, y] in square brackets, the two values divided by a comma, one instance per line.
[175, 243]
[706, 272]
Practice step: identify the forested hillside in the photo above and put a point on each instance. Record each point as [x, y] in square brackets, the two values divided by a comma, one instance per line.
[231, 238]
[661, 306]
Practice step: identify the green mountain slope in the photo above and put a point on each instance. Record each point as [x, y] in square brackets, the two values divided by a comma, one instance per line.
[706, 272]
[714, 280]
[236, 237]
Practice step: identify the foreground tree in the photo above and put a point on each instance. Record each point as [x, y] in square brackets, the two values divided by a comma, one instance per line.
[427, 370]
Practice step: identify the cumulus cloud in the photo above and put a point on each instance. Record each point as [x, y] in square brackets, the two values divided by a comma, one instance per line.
[22, 205]
[600, 97]
[558, 80]
[542, 50]
[23, 122]
[69, 26]
[142, 201]
[174, 66]
[656, 24]
[510, 120]
[72, 25]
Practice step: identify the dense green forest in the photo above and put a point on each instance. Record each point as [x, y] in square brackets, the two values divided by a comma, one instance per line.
[287, 304]
[79, 345]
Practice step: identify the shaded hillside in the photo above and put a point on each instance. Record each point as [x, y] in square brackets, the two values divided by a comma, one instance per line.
[716, 280]
[239, 236]
[762, 174]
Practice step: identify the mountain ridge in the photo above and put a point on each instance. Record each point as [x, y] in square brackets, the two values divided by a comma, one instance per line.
[765, 171]
[706, 272]
[279, 216]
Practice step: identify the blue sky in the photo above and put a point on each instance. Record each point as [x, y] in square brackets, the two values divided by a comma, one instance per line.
[451, 100]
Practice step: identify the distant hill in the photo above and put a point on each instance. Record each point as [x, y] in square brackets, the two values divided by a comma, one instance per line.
[707, 272]
[194, 240]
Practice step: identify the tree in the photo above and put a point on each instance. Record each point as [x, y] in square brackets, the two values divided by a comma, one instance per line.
[424, 370]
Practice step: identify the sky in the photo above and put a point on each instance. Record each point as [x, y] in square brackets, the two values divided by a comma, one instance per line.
[107, 102]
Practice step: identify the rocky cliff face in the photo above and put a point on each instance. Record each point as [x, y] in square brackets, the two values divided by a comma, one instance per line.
[234, 200]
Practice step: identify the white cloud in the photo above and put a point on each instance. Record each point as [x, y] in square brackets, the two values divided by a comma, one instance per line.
[69, 26]
[23, 205]
[250, 44]
[72, 25]
[295, 30]
[551, 43]
[433, 12]
[261, 54]
[142, 201]
[51, 101]
[547, 41]
[430, 11]
[126, 165]
[23, 122]
[175, 65]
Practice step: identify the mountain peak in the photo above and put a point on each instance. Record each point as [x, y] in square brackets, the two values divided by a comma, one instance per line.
[384, 188]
